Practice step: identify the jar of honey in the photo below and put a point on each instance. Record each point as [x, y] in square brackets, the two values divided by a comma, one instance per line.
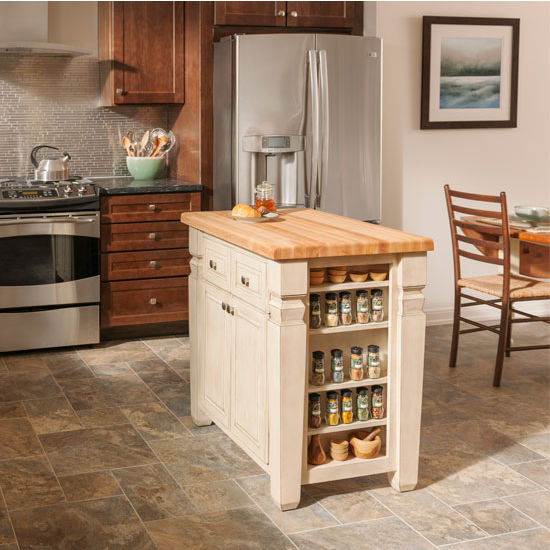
[264, 196]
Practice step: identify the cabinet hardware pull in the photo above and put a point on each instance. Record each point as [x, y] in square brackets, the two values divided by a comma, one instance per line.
[224, 306]
[245, 281]
[526, 249]
[212, 265]
[152, 207]
[293, 14]
[153, 301]
[281, 13]
[153, 236]
[153, 263]
[120, 91]
[231, 310]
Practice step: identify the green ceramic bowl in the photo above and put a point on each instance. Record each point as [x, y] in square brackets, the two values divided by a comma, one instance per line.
[145, 168]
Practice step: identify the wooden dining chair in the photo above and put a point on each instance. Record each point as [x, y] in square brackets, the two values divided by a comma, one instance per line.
[493, 244]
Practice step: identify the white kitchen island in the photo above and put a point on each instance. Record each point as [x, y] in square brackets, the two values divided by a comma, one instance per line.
[251, 342]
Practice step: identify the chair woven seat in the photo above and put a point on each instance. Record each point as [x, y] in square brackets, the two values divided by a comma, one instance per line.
[520, 287]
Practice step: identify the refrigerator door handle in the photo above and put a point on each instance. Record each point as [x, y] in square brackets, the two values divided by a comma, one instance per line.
[323, 163]
[311, 185]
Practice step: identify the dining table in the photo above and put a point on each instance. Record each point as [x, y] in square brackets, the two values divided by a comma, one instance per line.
[529, 245]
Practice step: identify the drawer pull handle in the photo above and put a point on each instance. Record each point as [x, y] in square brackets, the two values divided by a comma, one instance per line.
[120, 91]
[152, 207]
[153, 263]
[281, 13]
[225, 306]
[231, 310]
[153, 236]
[212, 264]
[245, 281]
[293, 14]
[153, 301]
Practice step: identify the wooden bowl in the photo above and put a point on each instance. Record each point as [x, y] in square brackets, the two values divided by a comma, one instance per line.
[339, 455]
[317, 271]
[316, 279]
[366, 449]
[337, 270]
[337, 279]
[358, 277]
[339, 444]
[378, 275]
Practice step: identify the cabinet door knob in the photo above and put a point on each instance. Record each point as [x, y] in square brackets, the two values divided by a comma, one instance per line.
[281, 13]
[293, 14]
[153, 263]
[152, 207]
[245, 281]
[153, 236]
[120, 91]
[212, 265]
[231, 310]
[153, 301]
[224, 306]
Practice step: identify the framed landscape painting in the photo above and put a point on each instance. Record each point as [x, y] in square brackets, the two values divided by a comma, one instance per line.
[469, 72]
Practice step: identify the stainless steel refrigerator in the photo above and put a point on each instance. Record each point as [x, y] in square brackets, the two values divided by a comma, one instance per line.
[303, 112]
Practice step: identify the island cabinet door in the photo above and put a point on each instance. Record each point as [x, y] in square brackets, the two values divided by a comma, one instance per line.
[249, 388]
[216, 358]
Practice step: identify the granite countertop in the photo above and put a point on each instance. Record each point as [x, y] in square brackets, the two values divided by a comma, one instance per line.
[127, 185]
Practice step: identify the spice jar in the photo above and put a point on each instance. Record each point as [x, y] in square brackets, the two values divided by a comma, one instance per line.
[356, 363]
[377, 305]
[347, 407]
[318, 368]
[331, 309]
[337, 365]
[373, 361]
[333, 414]
[362, 307]
[345, 308]
[264, 196]
[314, 410]
[315, 311]
[362, 404]
[377, 409]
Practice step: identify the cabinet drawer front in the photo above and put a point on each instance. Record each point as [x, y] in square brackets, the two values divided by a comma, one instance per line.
[216, 263]
[143, 236]
[144, 208]
[145, 265]
[534, 259]
[248, 279]
[144, 302]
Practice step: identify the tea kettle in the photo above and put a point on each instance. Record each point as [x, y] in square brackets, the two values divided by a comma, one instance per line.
[53, 167]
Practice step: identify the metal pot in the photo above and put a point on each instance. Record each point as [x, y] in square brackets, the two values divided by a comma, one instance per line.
[53, 167]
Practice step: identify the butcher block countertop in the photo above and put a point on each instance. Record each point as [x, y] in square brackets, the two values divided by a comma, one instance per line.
[306, 233]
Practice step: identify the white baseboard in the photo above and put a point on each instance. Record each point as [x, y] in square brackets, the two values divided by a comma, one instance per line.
[444, 316]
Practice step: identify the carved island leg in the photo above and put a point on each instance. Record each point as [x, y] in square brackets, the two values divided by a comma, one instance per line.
[199, 416]
[409, 336]
[287, 345]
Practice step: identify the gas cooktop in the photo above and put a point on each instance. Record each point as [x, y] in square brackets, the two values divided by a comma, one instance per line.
[22, 193]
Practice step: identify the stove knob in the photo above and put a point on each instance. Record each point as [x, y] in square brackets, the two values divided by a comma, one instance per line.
[67, 190]
[81, 190]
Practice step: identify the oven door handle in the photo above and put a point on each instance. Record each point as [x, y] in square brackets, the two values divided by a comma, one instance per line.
[47, 220]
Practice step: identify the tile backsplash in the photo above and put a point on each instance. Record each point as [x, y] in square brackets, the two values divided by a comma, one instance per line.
[55, 101]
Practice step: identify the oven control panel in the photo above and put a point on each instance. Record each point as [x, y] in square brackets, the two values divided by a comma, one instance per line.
[30, 194]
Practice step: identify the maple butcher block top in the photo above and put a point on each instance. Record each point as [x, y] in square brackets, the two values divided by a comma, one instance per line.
[306, 233]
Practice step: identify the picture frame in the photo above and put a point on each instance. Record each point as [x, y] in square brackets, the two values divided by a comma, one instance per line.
[469, 72]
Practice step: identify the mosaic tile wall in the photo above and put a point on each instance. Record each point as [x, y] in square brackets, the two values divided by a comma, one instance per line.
[55, 101]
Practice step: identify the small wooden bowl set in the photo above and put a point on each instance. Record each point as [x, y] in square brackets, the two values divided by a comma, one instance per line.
[363, 445]
[337, 275]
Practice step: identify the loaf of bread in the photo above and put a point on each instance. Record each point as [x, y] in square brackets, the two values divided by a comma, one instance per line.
[244, 211]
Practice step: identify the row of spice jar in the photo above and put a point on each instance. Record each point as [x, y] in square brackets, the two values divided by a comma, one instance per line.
[340, 407]
[338, 308]
[361, 365]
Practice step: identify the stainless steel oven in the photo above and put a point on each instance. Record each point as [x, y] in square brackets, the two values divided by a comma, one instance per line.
[49, 279]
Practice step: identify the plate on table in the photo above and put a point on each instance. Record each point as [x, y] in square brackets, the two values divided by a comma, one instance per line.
[533, 214]
[271, 216]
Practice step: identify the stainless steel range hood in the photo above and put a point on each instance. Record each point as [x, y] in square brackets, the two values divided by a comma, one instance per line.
[24, 31]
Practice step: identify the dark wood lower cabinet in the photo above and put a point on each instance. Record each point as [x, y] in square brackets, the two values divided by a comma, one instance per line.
[147, 301]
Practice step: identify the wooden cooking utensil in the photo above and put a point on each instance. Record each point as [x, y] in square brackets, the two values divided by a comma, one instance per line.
[315, 452]
[162, 142]
[156, 145]
[127, 144]
[144, 141]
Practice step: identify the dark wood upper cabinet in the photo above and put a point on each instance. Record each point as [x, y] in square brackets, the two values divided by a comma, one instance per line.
[321, 14]
[141, 51]
[252, 14]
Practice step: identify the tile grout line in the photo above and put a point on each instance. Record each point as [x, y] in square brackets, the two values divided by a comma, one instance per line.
[9, 517]
[451, 544]
[523, 513]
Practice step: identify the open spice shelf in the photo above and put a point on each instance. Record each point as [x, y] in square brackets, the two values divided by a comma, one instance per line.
[332, 386]
[333, 287]
[353, 426]
[352, 467]
[349, 328]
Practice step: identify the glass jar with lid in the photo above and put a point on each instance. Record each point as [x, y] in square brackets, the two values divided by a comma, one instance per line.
[264, 196]
[337, 365]
[356, 363]
[318, 368]
[362, 306]
[331, 309]
[333, 409]
[377, 305]
[345, 308]
[315, 311]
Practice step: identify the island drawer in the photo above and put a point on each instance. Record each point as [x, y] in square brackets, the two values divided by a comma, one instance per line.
[143, 236]
[144, 301]
[145, 265]
[248, 279]
[216, 263]
[148, 207]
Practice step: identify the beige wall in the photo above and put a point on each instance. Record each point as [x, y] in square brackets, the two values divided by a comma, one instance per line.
[417, 163]
[73, 23]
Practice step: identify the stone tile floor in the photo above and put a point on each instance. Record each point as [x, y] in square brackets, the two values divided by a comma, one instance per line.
[97, 451]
